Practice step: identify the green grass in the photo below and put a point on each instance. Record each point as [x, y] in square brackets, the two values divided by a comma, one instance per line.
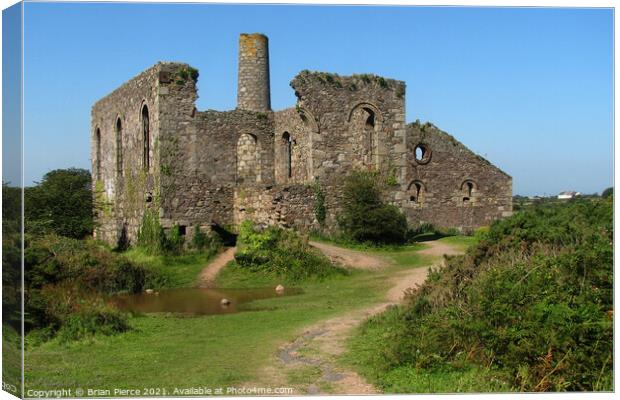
[174, 271]
[304, 375]
[460, 242]
[213, 351]
[364, 354]
[168, 351]
[11, 360]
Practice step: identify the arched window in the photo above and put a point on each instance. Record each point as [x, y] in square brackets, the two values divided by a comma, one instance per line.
[416, 192]
[98, 154]
[369, 136]
[146, 139]
[468, 188]
[288, 153]
[119, 147]
[365, 125]
[248, 159]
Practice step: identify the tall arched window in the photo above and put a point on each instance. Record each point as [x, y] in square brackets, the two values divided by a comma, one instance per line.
[98, 154]
[365, 124]
[146, 139]
[369, 137]
[288, 153]
[119, 147]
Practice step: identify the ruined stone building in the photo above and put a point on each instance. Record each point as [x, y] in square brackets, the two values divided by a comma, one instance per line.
[153, 150]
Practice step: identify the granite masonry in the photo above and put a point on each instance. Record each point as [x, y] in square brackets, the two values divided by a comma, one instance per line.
[152, 150]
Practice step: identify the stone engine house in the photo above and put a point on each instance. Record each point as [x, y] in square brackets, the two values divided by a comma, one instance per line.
[152, 150]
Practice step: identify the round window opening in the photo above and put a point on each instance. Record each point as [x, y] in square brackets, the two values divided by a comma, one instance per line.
[422, 154]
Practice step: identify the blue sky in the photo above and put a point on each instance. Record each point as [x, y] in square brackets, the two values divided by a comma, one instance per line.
[531, 89]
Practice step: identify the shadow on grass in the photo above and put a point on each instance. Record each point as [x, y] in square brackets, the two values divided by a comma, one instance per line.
[427, 237]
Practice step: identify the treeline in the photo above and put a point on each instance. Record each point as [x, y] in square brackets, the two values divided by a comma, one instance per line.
[532, 303]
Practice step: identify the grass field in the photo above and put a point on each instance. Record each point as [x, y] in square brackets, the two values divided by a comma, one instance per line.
[168, 351]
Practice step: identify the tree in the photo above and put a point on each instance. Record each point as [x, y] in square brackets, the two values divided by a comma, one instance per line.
[607, 192]
[11, 255]
[61, 203]
[365, 217]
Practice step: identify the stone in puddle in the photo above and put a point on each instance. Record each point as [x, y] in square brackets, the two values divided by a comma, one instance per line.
[225, 302]
[279, 288]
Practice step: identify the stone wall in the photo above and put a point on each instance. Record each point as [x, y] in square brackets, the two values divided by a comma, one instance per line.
[294, 135]
[206, 154]
[450, 186]
[123, 186]
[281, 205]
[359, 124]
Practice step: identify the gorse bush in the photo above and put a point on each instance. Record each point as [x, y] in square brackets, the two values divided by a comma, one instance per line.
[76, 313]
[66, 277]
[365, 217]
[532, 301]
[282, 252]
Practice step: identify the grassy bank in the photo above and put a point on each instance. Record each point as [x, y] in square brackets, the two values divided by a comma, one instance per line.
[529, 308]
[219, 350]
[171, 271]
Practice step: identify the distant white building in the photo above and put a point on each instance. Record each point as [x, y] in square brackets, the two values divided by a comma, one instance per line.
[568, 195]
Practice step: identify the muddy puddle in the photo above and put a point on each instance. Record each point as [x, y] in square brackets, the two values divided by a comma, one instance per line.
[197, 301]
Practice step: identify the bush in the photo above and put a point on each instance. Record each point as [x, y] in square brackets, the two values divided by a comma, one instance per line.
[608, 192]
[365, 218]
[532, 300]
[53, 259]
[105, 321]
[282, 252]
[65, 276]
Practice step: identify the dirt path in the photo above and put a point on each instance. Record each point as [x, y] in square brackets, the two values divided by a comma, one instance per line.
[318, 348]
[208, 274]
[350, 258]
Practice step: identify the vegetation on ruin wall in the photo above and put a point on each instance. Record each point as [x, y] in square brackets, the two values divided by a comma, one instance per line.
[529, 308]
[153, 240]
[186, 73]
[280, 252]
[352, 83]
[320, 212]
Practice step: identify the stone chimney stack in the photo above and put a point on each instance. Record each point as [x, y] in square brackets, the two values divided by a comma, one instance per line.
[253, 92]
